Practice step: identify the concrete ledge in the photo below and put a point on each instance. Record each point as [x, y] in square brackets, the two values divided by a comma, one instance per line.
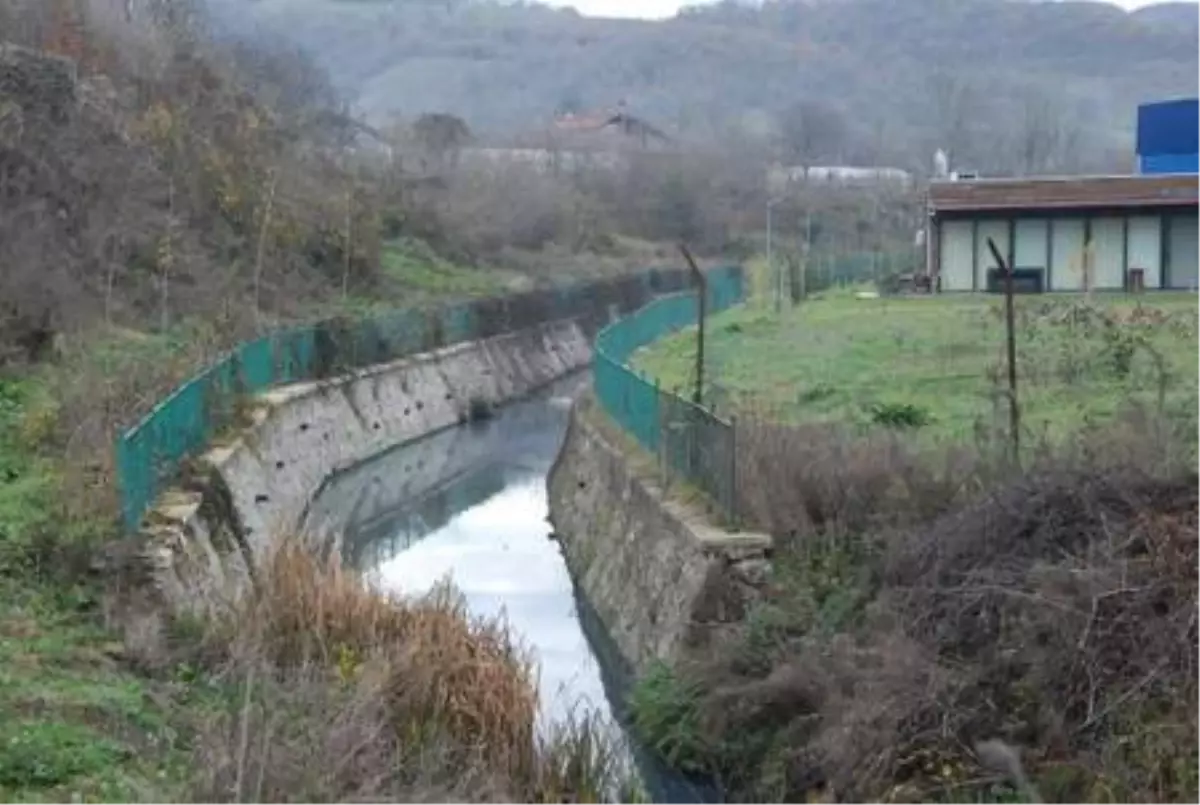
[664, 582]
[206, 538]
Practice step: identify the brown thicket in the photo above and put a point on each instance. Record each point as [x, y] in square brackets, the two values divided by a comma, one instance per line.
[928, 618]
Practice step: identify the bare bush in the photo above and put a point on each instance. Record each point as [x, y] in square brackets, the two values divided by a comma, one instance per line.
[794, 481]
[915, 620]
[1067, 602]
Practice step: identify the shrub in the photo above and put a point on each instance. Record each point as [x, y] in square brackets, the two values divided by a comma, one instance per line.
[665, 711]
[899, 415]
[924, 639]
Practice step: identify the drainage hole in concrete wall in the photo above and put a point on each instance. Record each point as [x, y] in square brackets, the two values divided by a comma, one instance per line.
[278, 465]
[303, 427]
[261, 498]
[583, 484]
[449, 396]
[375, 426]
[420, 406]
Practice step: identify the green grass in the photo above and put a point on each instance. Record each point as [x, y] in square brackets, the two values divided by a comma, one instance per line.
[936, 364]
[416, 269]
[74, 723]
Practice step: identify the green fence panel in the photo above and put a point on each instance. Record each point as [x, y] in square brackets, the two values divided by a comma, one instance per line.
[150, 452]
[135, 467]
[256, 364]
[401, 333]
[689, 440]
[295, 352]
[458, 324]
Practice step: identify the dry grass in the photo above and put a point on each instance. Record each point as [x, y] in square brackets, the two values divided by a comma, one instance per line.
[348, 694]
[794, 481]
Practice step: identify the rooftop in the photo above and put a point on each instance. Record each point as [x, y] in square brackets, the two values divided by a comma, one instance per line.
[1068, 192]
[615, 120]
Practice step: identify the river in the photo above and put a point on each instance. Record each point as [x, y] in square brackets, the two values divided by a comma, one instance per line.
[470, 503]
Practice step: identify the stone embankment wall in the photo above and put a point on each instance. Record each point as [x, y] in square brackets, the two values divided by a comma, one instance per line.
[663, 580]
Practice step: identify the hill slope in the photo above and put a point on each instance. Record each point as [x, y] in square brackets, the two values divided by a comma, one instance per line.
[972, 75]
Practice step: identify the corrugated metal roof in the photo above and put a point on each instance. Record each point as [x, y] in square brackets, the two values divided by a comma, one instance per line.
[1078, 192]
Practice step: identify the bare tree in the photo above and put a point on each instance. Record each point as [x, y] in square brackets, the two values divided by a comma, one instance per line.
[441, 136]
[811, 131]
[1041, 133]
[956, 109]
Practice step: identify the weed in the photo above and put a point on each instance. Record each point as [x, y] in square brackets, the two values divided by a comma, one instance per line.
[666, 714]
[899, 415]
[816, 393]
[45, 754]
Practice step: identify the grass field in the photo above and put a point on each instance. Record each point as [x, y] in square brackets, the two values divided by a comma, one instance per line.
[936, 364]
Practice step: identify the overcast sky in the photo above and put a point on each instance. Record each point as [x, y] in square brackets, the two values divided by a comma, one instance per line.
[653, 9]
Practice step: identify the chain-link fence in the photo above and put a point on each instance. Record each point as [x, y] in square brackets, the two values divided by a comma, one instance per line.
[690, 442]
[150, 453]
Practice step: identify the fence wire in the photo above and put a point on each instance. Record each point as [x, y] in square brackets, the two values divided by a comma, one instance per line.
[690, 442]
[149, 454]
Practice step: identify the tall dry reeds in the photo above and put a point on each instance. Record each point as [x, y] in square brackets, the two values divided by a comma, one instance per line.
[345, 693]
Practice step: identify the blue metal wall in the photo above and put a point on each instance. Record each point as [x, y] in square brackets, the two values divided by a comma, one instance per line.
[1168, 136]
[1169, 163]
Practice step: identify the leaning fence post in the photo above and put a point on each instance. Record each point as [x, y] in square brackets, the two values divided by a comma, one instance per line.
[1014, 409]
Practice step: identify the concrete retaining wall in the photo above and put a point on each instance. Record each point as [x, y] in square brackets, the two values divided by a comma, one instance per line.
[664, 582]
[206, 538]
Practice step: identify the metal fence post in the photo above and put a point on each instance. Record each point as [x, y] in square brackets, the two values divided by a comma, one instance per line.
[732, 507]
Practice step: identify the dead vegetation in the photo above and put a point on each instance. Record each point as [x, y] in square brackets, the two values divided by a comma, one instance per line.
[339, 693]
[923, 614]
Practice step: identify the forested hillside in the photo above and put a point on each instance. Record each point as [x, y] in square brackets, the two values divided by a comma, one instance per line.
[1002, 84]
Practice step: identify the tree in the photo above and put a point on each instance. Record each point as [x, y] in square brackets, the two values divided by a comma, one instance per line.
[812, 131]
[441, 136]
[956, 110]
[1045, 134]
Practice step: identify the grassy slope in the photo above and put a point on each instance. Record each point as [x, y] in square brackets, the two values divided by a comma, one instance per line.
[73, 723]
[413, 266]
[836, 358]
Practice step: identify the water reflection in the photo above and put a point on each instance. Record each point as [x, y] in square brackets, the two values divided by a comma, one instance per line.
[470, 503]
[497, 551]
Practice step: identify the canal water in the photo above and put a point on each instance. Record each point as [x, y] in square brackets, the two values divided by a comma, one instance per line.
[470, 503]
